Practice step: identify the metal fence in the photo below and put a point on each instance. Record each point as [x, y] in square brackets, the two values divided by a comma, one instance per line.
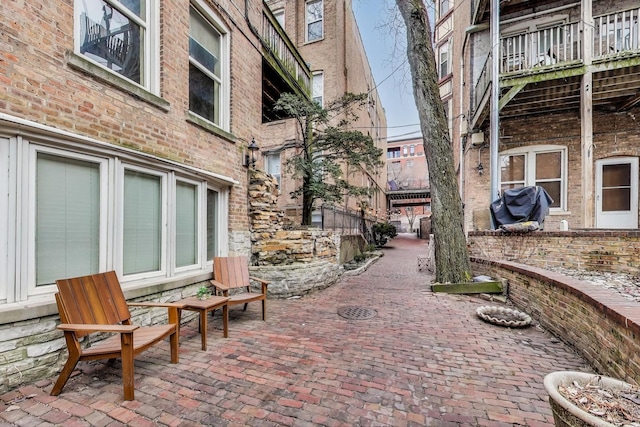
[347, 221]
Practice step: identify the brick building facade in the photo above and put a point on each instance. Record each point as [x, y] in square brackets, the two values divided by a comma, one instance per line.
[407, 183]
[326, 34]
[123, 133]
[567, 101]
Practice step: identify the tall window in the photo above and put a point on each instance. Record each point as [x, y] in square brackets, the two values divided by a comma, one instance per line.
[67, 234]
[115, 34]
[404, 151]
[212, 223]
[273, 165]
[412, 150]
[207, 49]
[315, 18]
[318, 87]
[444, 7]
[279, 15]
[187, 219]
[443, 56]
[143, 220]
[542, 166]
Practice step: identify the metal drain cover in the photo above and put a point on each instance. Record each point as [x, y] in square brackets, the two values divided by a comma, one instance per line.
[356, 313]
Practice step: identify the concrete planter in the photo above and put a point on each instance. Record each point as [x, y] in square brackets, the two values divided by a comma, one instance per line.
[565, 413]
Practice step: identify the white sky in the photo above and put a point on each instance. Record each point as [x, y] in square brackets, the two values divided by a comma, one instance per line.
[387, 58]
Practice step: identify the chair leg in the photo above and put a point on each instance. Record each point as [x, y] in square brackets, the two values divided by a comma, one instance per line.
[225, 321]
[264, 309]
[245, 306]
[126, 340]
[68, 368]
[174, 342]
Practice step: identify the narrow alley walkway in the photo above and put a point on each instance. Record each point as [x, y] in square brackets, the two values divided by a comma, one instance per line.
[421, 359]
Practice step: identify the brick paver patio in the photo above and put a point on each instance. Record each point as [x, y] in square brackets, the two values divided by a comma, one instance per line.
[423, 359]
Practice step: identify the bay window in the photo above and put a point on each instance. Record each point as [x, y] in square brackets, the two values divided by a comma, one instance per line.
[91, 212]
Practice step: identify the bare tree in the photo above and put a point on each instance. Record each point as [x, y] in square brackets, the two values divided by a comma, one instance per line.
[411, 214]
[451, 254]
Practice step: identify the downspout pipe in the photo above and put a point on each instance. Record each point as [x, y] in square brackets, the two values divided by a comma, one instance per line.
[495, 100]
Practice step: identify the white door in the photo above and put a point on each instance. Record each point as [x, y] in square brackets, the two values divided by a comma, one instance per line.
[617, 193]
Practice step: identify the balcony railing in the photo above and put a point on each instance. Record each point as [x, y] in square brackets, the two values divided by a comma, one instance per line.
[549, 46]
[483, 82]
[615, 34]
[277, 44]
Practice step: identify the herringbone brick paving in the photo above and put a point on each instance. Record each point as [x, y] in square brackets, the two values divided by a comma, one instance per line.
[424, 359]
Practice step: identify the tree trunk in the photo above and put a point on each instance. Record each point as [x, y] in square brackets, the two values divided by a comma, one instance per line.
[451, 255]
[307, 197]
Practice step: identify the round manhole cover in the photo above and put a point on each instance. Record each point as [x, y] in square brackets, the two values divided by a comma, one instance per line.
[357, 313]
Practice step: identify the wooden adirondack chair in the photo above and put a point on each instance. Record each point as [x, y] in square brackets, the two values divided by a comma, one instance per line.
[96, 303]
[231, 273]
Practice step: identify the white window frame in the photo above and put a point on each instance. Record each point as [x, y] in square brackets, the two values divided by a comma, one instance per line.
[308, 22]
[529, 153]
[33, 151]
[225, 55]
[119, 259]
[444, 49]
[18, 173]
[6, 233]
[317, 76]
[150, 25]
[270, 160]
[200, 224]
[279, 15]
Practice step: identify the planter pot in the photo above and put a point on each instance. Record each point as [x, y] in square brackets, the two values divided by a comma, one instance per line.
[565, 412]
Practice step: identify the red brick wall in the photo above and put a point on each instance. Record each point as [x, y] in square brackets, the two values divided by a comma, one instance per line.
[38, 84]
[614, 134]
[595, 250]
[600, 324]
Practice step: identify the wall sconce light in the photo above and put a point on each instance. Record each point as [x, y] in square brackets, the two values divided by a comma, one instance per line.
[250, 159]
[480, 169]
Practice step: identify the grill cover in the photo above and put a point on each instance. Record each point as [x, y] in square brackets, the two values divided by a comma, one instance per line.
[521, 205]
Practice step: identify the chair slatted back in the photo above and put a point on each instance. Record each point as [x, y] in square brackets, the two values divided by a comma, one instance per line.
[231, 271]
[95, 299]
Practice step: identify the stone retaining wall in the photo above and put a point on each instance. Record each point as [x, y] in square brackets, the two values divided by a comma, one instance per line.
[599, 323]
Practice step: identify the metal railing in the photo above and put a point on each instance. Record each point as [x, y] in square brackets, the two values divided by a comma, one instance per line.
[347, 221]
[484, 82]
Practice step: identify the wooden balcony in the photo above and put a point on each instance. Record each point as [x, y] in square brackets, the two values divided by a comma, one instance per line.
[283, 68]
[540, 71]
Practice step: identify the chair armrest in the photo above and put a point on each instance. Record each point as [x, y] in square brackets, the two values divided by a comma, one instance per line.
[97, 328]
[156, 304]
[257, 279]
[219, 285]
[174, 308]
